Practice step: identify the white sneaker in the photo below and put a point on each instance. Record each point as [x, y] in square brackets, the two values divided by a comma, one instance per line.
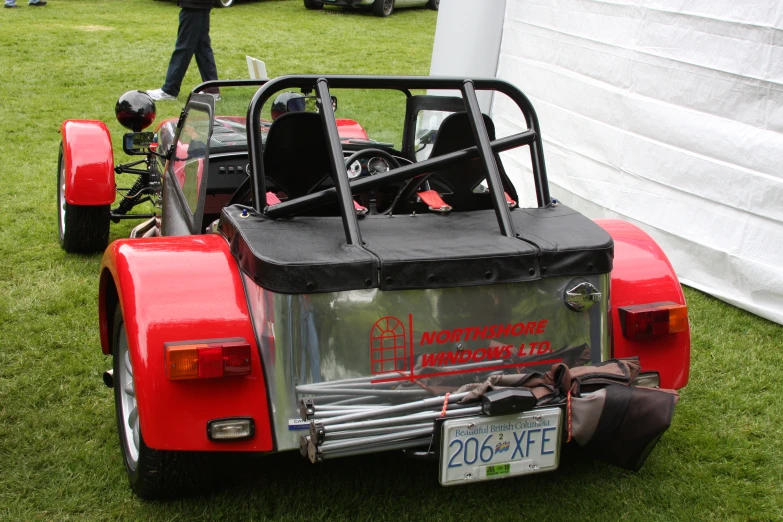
[216, 96]
[160, 94]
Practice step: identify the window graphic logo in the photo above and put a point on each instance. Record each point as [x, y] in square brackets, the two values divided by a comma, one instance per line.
[387, 346]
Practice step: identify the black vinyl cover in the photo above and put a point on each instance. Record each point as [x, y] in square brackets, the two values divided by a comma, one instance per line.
[307, 254]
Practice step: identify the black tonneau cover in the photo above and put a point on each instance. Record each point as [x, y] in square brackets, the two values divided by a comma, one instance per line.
[309, 254]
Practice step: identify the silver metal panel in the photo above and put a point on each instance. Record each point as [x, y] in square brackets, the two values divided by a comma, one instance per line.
[417, 342]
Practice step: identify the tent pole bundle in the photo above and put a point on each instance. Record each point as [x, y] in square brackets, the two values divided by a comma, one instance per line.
[371, 428]
[361, 415]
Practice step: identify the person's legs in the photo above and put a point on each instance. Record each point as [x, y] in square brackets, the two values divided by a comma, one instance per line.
[37, 3]
[205, 59]
[10, 3]
[187, 42]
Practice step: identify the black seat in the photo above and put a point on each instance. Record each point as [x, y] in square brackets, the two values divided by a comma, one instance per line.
[457, 183]
[296, 154]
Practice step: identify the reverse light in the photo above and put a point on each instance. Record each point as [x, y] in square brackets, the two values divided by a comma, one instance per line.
[207, 359]
[238, 428]
[653, 319]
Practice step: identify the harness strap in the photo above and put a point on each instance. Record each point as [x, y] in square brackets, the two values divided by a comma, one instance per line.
[434, 201]
[272, 199]
[360, 210]
[511, 202]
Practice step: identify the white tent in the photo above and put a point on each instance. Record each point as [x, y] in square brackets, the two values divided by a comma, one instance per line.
[665, 113]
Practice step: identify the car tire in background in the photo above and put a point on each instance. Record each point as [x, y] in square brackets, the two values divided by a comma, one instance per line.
[224, 3]
[83, 229]
[153, 474]
[382, 7]
[312, 4]
[433, 4]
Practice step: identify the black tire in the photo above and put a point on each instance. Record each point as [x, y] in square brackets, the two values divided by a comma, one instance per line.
[382, 7]
[433, 4]
[153, 474]
[312, 4]
[83, 229]
[224, 3]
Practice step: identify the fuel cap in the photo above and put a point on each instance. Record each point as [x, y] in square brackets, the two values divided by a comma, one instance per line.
[581, 295]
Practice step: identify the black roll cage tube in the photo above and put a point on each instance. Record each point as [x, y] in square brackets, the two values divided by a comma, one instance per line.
[344, 188]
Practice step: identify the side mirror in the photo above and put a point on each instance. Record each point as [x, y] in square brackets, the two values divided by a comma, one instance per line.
[139, 143]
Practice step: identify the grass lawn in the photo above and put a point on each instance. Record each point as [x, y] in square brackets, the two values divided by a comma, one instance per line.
[59, 456]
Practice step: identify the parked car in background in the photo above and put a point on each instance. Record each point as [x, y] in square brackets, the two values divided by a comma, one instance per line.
[379, 7]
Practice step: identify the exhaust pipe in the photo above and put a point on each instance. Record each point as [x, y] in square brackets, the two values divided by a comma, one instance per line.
[108, 378]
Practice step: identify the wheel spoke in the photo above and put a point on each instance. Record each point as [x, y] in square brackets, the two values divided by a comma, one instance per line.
[136, 434]
[129, 389]
[133, 416]
[128, 366]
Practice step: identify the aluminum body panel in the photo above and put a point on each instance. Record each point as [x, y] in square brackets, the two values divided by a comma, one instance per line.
[389, 339]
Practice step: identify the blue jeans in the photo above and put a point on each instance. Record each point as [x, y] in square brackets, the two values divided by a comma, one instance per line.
[10, 2]
[192, 38]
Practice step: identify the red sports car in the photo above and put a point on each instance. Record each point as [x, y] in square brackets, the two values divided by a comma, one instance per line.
[300, 286]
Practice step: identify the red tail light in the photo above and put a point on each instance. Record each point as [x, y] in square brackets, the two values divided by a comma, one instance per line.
[653, 319]
[207, 359]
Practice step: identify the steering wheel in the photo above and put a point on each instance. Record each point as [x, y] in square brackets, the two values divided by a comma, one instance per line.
[372, 152]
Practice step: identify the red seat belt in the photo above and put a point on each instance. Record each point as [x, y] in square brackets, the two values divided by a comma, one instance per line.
[272, 199]
[511, 202]
[434, 201]
[360, 210]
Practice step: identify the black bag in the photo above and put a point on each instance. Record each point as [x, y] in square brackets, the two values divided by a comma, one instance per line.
[631, 422]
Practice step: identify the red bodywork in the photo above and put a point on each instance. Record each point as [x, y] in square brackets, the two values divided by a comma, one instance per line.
[642, 274]
[181, 289]
[89, 163]
[350, 129]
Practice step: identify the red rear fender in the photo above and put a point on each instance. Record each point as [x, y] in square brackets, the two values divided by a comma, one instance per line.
[89, 163]
[642, 274]
[183, 289]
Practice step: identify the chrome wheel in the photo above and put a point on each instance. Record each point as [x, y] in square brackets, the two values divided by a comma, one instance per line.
[129, 409]
[224, 3]
[388, 5]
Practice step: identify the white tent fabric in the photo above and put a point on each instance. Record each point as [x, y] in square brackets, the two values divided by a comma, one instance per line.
[668, 114]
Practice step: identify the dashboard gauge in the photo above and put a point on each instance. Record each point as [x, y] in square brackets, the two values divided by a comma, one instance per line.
[354, 170]
[377, 166]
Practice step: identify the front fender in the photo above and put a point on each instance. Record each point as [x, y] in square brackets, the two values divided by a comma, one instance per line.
[351, 129]
[642, 274]
[180, 289]
[89, 163]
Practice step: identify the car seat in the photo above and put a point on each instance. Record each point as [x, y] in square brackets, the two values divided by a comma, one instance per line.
[296, 154]
[456, 183]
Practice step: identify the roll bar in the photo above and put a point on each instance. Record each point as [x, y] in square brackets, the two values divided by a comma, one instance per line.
[344, 188]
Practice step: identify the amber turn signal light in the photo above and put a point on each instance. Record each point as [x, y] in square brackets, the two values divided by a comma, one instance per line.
[207, 359]
[641, 321]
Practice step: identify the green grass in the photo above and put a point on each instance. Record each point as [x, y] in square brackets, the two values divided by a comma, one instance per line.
[59, 457]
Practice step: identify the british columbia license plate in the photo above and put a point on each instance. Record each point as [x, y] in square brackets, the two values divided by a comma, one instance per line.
[486, 448]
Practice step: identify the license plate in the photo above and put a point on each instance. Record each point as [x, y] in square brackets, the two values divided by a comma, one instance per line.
[486, 448]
